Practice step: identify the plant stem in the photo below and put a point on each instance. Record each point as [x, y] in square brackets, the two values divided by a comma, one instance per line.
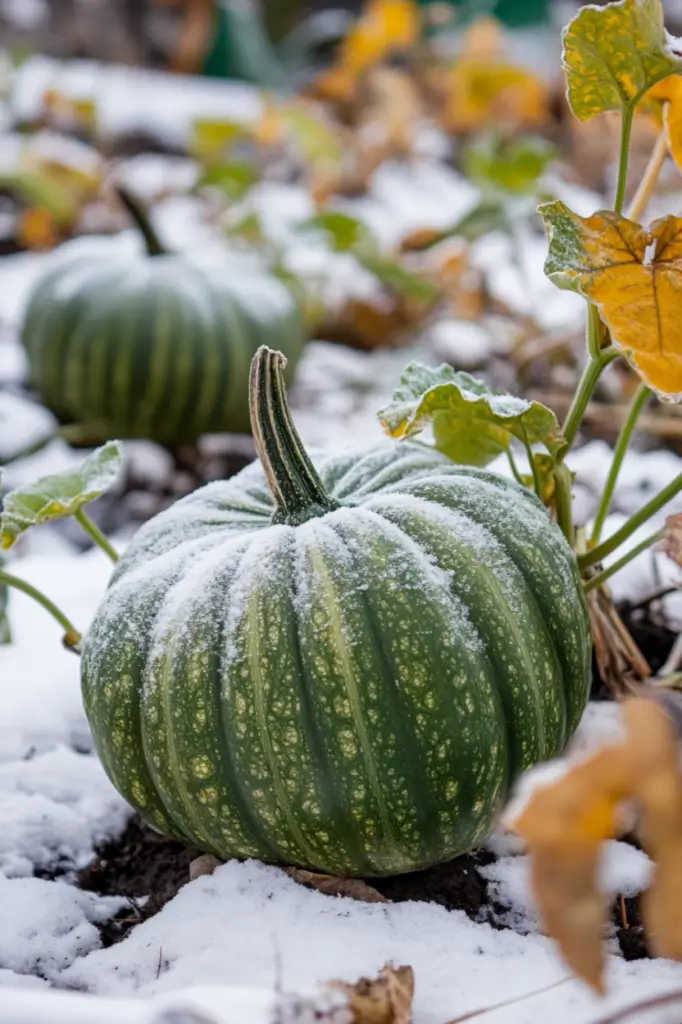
[657, 502]
[650, 177]
[537, 482]
[564, 501]
[591, 374]
[140, 218]
[72, 638]
[594, 332]
[626, 128]
[636, 406]
[95, 534]
[514, 468]
[597, 581]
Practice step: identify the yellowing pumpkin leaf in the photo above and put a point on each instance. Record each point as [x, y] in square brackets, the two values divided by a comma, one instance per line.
[384, 27]
[613, 54]
[565, 821]
[472, 424]
[59, 495]
[668, 93]
[634, 277]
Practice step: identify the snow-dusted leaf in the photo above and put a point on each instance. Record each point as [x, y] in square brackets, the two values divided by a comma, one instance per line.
[613, 54]
[59, 495]
[634, 277]
[472, 424]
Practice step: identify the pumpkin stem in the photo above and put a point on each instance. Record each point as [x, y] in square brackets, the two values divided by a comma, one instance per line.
[141, 220]
[293, 480]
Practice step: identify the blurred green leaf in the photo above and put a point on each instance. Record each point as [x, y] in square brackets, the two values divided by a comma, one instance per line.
[346, 233]
[59, 495]
[472, 423]
[399, 279]
[233, 179]
[510, 165]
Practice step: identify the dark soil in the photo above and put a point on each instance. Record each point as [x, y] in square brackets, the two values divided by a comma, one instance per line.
[140, 864]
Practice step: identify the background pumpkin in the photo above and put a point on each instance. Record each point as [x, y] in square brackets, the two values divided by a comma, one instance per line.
[153, 345]
[351, 685]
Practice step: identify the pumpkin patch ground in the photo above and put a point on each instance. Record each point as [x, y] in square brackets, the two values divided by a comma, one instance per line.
[378, 225]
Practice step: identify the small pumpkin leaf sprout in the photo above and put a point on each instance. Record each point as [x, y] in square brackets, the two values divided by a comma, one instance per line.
[55, 497]
[63, 494]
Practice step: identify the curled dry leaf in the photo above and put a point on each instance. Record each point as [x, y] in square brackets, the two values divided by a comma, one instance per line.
[634, 277]
[332, 885]
[671, 543]
[565, 821]
[386, 999]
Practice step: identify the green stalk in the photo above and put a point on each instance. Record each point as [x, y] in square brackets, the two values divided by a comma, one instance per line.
[628, 528]
[72, 638]
[625, 130]
[141, 219]
[564, 501]
[636, 406]
[597, 581]
[591, 374]
[95, 534]
[594, 332]
[537, 482]
[514, 468]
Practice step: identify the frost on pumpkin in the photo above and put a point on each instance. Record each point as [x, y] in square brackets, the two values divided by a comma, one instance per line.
[612, 54]
[634, 277]
[472, 423]
[254, 689]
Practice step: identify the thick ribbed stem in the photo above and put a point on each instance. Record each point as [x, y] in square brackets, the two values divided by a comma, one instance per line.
[140, 218]
[293, 480]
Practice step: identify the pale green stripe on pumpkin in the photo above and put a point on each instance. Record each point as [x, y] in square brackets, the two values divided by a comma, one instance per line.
[210, 400]
[96, 399]
[439, 671]
[502, 607]
[158, 366]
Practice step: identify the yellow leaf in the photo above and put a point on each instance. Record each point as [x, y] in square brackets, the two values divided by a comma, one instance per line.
[480, 93]
[384, 27]
[634, 276]
[669, 95]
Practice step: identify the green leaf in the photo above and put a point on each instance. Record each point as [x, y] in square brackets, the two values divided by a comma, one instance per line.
[234, 179]
[59, 495]
[399, 279]
[346, 234]
[471, 422]
[613, 54]
[511, 165]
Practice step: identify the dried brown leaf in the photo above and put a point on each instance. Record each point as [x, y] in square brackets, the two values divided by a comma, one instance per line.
[386, 999]
[332, 885]
[671, 543]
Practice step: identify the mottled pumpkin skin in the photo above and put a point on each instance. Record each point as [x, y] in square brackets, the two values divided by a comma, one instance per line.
[159, 347]
[355, 694]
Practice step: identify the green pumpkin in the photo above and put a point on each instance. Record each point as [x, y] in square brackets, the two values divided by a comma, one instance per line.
[152, 345]
[342, 666]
